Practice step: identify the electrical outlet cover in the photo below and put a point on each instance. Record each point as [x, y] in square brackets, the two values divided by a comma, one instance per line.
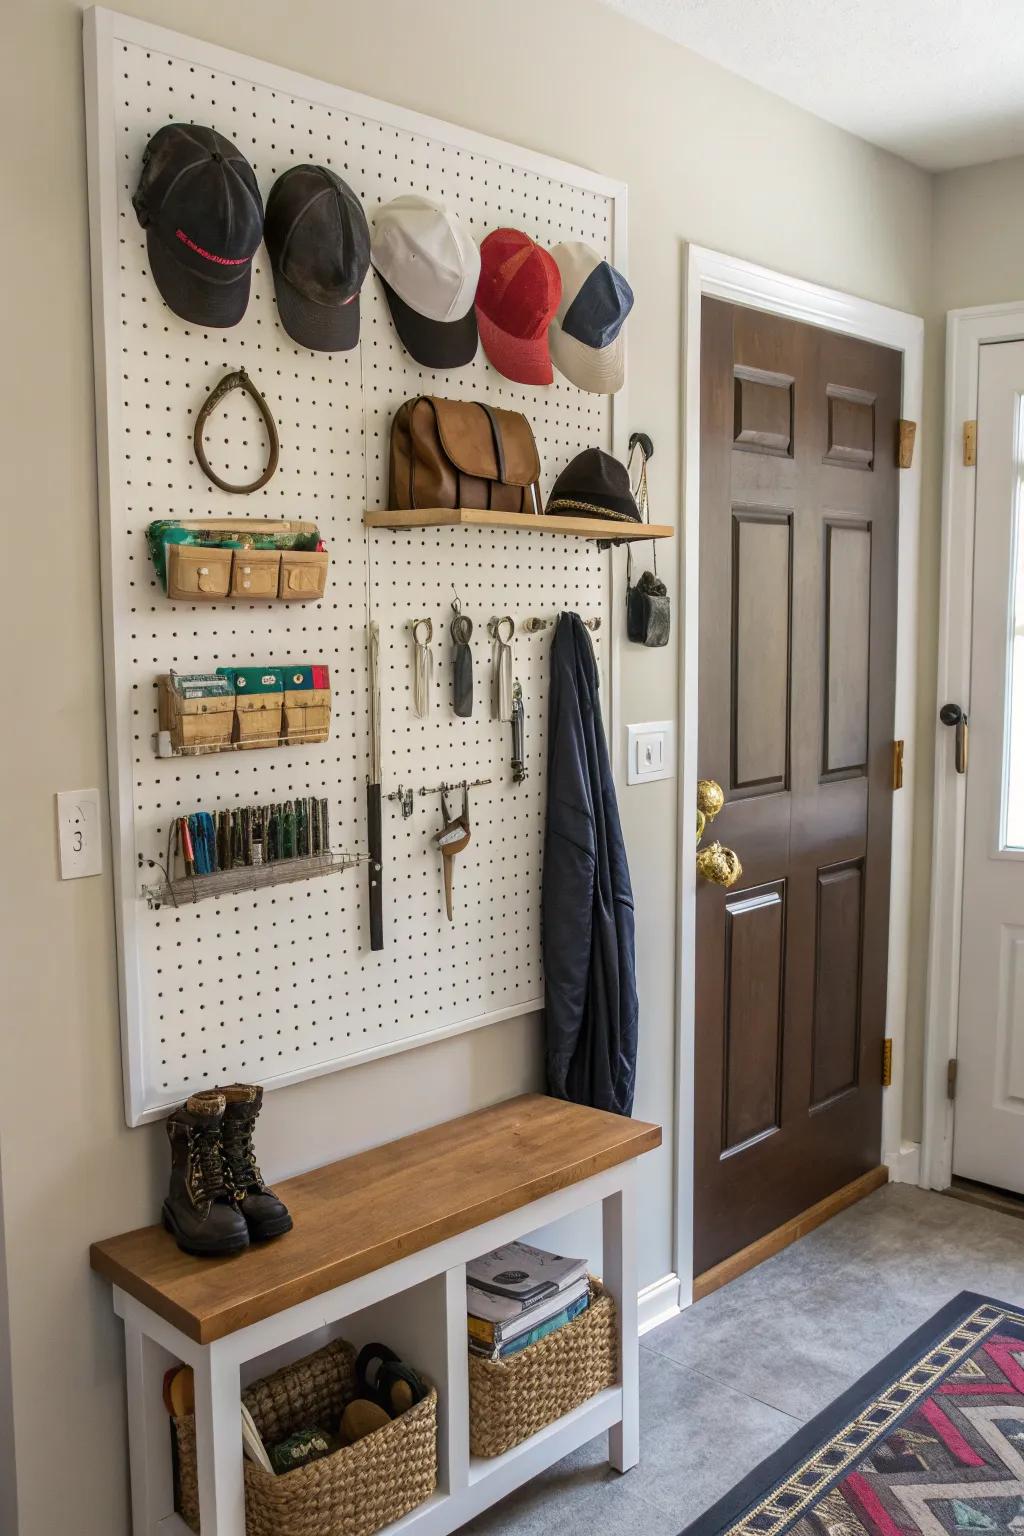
[78, 830]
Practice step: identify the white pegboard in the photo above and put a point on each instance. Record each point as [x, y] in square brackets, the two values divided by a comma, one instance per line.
[280, 984]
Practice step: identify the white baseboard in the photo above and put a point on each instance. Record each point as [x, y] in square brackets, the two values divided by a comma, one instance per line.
[658, 1302]
[905, 1165]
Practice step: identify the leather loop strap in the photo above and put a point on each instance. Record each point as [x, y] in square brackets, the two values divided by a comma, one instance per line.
[237, 380]
[499, 446]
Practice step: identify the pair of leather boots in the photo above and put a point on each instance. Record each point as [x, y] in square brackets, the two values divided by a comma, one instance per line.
[217, 1202]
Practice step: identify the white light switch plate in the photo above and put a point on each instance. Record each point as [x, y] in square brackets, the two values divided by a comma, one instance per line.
[78, 829]
[652, 752]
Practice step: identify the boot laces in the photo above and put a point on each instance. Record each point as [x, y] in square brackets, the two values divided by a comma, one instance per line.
[241, 1170]
[211, 1165]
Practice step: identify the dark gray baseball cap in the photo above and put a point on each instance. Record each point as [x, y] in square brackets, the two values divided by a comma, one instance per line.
[319, 246]
[198, 202]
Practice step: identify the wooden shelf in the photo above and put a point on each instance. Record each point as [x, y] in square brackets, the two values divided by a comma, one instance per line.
[604, 529]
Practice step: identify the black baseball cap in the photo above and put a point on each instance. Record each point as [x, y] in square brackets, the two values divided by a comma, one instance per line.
[198, 202]
[319, 246]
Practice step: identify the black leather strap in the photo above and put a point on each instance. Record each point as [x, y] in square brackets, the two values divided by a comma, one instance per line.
[237, 380]
[462, 665]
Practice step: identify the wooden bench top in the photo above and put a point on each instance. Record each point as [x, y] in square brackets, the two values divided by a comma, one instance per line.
[366, 1211]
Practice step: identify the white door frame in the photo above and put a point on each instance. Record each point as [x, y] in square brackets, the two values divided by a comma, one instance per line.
[740, 282]
[967, 331]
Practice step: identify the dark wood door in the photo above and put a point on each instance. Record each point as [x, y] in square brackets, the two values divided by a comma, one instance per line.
[798, 550]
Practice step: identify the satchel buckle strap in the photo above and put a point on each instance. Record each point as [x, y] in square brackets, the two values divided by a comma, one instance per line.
[499, 446]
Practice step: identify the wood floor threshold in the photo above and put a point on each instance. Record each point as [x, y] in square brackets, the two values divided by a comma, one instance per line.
[989, 1198]
[790, 1232]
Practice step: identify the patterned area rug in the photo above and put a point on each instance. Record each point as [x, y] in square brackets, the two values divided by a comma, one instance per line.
[931, 1441]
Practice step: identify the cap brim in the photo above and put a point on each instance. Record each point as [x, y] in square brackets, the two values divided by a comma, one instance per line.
[201, 301]
[598, 370]
[432, 343]
[320, 327]
[525, 361]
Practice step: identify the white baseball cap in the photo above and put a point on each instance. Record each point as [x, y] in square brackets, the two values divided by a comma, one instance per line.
[585, 337]
[430, 266]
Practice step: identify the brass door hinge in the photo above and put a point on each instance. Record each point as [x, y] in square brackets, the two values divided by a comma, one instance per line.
[970, 443]
[897, 765]
[887, 1063]
[951, 1078]
[906, 432]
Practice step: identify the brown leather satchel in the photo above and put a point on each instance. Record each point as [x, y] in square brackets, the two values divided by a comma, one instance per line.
[457, 453]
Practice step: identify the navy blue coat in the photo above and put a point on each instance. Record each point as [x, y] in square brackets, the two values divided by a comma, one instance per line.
[589, 949]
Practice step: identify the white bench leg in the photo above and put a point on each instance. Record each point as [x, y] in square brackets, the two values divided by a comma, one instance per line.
[219, 1442]
[620, 1276]
[149, 1433]
[453, 1448]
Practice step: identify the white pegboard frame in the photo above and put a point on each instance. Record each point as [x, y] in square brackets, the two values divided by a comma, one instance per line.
[104, 32]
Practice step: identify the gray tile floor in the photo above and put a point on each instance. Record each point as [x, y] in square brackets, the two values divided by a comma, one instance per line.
[728, 1381]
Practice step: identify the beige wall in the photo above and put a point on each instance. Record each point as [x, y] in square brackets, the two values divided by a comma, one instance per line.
[707, 157]
[978, 236]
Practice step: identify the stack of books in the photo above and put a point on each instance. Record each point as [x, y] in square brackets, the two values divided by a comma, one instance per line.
[518, 1294]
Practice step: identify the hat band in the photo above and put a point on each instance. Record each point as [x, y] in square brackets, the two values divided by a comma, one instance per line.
[566, 504]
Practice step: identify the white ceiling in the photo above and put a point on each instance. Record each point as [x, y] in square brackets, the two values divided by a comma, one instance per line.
[940, 82]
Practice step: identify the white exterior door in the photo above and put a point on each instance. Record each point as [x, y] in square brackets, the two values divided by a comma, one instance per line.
[988, 1141]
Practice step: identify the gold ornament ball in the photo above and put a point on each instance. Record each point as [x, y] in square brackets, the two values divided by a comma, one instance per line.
[719, 865]
[702, 822]
[710, 798]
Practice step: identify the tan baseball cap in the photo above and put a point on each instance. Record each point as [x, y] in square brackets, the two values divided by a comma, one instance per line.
[430, 266]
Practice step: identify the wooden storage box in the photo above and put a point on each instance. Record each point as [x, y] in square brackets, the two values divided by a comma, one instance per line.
[510, 1400]
[259, 701]
[203, 724]
[255, 572]
[303, 575]
[353, 1492]
[211, 573]
[198, 574]
[307, 704]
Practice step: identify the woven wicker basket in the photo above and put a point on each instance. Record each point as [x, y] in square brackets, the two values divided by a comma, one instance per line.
[353, 1492]
[510, 1400]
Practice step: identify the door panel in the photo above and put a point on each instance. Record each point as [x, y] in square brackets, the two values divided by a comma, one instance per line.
[851, 427]
[762, 582]
[754, 961]
[799, 502]
[988, 1131]
[763, 419]
[837, 981]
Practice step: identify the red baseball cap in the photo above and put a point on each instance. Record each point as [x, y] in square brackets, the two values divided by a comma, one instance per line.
[518, 295]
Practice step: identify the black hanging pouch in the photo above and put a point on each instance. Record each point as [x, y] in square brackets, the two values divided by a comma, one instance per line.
[648, 620]
[648, 616]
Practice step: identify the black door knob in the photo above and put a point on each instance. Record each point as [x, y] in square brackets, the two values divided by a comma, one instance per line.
[952, 714]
